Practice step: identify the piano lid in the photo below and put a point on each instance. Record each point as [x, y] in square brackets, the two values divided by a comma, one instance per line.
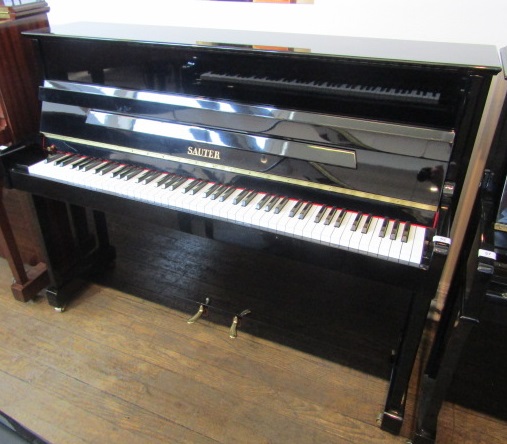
[419, 52]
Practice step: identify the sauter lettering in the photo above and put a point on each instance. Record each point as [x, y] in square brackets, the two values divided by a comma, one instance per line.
[203, 152]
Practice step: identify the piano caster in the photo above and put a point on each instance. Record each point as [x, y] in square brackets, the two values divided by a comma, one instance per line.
[203, 310]
[233, 332]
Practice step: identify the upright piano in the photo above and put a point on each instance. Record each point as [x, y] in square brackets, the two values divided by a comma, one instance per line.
[356, 146]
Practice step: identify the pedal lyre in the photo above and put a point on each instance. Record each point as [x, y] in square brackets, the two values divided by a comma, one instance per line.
[233, 332]
[203, 310]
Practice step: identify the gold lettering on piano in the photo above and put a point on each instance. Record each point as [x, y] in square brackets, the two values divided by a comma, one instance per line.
[203, 152]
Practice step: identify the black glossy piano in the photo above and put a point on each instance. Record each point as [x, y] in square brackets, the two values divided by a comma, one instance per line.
[358, 147]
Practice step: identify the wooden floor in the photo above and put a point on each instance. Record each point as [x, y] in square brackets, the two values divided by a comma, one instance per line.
[116, 368]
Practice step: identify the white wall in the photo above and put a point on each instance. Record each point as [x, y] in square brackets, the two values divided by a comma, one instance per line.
[467, 21]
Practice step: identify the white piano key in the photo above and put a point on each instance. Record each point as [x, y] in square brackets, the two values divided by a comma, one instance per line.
[329, 229]
[385, 243]
[304, 229]
[395, 248]
[375, 241]
[341, 235]
[357, 235]
[418, 246]
[319, 226]
[366, 239]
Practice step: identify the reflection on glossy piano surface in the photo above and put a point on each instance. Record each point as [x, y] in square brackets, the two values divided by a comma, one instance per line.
[356, 146]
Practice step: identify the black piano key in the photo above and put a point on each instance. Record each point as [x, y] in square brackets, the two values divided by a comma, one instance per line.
[239, 197]
[175, 185]
[117, 172]
[80, 164]
[281, 204]
[330, 216]
[340, 217]
[90, 165]
[367, 224]
[226, 193]
[144, 176]
[305, 210]
[215, 194]
[108, 168]
[63, 158]
[198, 187]
[248, 198]
[72, 160]
[162, 180]
[101, 166]
[190, 186]
[131, 173]
[68, 160]
[153, 176]
[356, 222]
[55, 157]
[125, 172]
[394, 231]
[170, 181]
[263, 202]
[383, 228]
[406, 231]
[211, 190]
[320, 214]
[295, 208]
[271, 204]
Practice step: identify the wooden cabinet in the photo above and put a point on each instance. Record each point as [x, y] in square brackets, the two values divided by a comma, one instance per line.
[19, 121]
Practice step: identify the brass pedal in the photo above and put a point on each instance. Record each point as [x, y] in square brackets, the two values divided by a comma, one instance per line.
[233, 332]
[203, 310]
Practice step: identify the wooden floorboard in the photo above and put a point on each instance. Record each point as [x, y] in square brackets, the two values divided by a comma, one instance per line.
[118, 368]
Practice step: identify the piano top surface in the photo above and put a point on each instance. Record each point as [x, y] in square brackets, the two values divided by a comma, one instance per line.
[420, 52]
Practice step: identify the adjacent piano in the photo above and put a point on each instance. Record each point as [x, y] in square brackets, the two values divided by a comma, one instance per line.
[479, 287]
[358, 147]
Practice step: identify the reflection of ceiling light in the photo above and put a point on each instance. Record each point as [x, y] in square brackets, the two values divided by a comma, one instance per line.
[434, 189]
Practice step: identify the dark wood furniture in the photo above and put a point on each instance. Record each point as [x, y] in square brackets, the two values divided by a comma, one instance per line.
[19, 121]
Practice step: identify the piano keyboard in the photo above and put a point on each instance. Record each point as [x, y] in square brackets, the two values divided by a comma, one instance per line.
[366, 234]
[345, 89]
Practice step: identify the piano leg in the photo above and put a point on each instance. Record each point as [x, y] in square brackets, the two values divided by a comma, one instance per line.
[405, 356]
[26, 283]
[460, 314]
[76, 245]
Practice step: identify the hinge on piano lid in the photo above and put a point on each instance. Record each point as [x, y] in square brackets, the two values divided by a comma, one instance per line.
[441, 245]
